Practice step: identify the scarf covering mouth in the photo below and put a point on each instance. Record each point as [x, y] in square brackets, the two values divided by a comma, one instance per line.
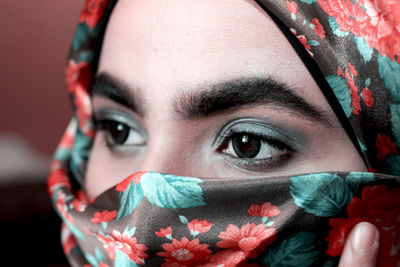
[352, 49]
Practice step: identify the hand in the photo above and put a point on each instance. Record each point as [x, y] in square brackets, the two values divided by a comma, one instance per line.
[361, 248]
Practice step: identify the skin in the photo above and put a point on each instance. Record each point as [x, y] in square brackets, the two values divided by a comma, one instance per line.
[160, 51]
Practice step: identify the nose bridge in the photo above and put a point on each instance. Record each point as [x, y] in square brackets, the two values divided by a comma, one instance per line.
[160, 157]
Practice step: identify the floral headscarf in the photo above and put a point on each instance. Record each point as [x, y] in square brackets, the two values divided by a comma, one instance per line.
[352, 49]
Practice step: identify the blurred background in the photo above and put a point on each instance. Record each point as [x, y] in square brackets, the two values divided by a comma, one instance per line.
[34, 111]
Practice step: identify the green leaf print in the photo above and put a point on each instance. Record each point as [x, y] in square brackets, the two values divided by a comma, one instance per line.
[341, 91]
[129, 200]
[299, 250]
[389, 72]
[365, 50]
[169, 191]
[394, 164]
[395, 120]
[355, 179]
[309, 1]
[325, 194]
[121, 259]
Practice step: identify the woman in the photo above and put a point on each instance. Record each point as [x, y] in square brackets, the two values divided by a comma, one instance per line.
[285, 110]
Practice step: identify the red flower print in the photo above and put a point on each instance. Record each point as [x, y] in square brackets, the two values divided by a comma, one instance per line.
[102, 264]
[83, 107]
[367, 96]
[337, 236]
[80, 202]
[109, 245]
[125, 243]
[56, 180]
[167, 232]
[104, 216]
[251, 239]
[227, 258]
[352, 69]
[185, 252]
[67, 141]
[87, 230]
[93, 11]
[78, 74]
[355, 98]
[62, 207]
[340, 72]
[127, 181]
[264, 210]
[377, 21]
[379, 206]
[292, 7]
[319, 29]
[197, 227]
[385, 146]
[303, 40]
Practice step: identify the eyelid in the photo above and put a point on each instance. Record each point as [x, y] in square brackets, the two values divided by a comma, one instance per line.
[259, 127]
[108, 113]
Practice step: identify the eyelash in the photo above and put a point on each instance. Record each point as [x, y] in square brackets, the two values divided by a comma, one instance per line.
[106, 125]
[278, 150]
[251, 162]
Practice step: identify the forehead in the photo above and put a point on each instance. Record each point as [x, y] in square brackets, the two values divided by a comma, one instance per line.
[171, 44]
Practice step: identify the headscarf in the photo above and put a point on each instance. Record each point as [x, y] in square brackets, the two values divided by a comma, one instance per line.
[352, 49]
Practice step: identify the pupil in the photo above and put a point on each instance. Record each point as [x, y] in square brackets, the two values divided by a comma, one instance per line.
[119, 132]
[246, 145]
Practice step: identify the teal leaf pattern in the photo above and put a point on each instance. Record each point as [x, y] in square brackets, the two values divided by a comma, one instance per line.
[91, 259]
[395, 121]
[355, 179]
[364, 49]
[183, 219]
[298, 250]
[121, 259]
[394, 164]
[309, 1]
[129, 200]
[389, 72]
[80, 154]
[313, 42]
[367, 82]
[342, 92]
[169, 191]
[74, 230]
[86, 56]
[132, 231]
[62, 154]
[80, 36]
[98, 254]
[362, 146]
[163, 190]
[335, 28]
[325, 194]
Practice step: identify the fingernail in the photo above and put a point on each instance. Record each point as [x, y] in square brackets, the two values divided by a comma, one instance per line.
[364, 237]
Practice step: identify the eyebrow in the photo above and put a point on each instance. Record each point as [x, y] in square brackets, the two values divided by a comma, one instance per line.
[107, 86]
[217, 97]
[246, 91]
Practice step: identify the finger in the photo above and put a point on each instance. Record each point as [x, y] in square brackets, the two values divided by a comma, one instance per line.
[361, 248]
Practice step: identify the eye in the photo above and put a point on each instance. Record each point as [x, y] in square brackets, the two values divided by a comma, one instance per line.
[250, 146]
[255, 145]
[120, 134]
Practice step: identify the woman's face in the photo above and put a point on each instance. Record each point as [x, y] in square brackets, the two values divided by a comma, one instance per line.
[207, 89]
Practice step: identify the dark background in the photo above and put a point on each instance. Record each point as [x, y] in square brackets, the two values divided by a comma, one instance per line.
[34, 111]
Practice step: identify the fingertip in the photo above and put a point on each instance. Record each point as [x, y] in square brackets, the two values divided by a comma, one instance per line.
[364, 237]
[361, 248]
